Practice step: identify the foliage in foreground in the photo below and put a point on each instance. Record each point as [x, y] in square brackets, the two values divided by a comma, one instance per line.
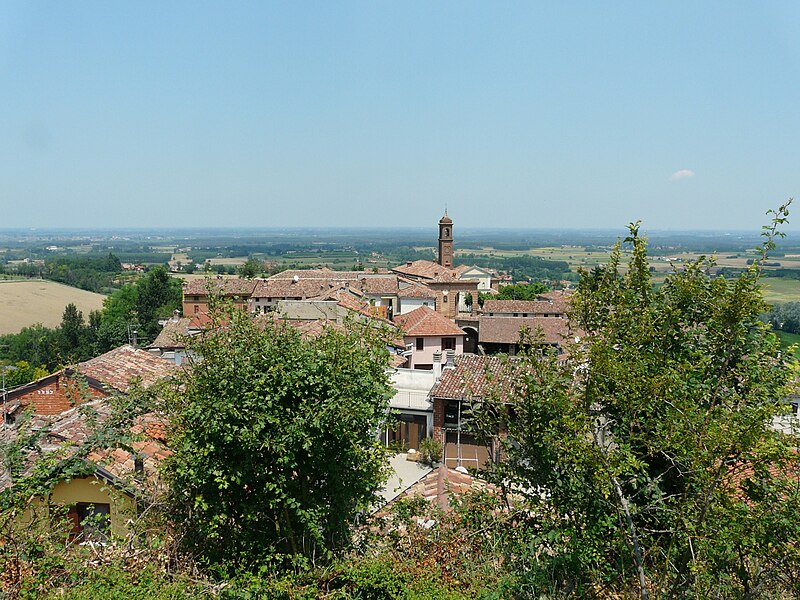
[275, 453]
[467, 553]
[648, 457]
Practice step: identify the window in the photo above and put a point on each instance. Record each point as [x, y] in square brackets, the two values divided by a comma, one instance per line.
[90, 520]
[453, 413]
[420, 343]
[444, 298]
[449, 343]
[196, 309]
[407, 432]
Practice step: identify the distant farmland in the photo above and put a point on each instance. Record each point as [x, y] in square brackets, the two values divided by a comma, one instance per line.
[25, 303]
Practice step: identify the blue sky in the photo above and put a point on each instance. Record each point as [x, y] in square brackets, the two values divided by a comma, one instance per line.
[558, 114]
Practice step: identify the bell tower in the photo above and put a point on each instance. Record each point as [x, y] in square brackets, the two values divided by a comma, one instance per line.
[446, 241]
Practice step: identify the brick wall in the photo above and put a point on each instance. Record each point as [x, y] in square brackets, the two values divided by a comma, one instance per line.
[438, 419]
[55, 398]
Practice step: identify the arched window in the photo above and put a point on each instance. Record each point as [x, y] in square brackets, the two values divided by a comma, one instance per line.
[446, 231]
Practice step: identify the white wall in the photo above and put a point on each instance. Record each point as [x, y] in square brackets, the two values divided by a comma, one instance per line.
[409, 304]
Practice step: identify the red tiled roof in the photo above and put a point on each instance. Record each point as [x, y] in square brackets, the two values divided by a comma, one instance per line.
[424, 321]
[442, 483]
[288, 288]
[225, 287]
[531, 307]
[506, 330]
[427, 269]
[385, 285]
[310, 284]
[119, 367]
[415, 290]
[174, 333]
[68, 431]
[476, 377]
[743, 470]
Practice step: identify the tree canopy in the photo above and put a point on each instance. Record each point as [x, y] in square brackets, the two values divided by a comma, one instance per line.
[648, 455]
[274, 439]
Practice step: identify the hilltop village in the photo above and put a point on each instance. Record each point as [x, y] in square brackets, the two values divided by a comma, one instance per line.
[443, 354]
[416, 404]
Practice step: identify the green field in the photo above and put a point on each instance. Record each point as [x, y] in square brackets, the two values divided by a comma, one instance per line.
[780, 289]
[787, 339]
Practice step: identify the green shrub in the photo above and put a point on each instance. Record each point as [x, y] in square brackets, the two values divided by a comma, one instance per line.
[430, 451]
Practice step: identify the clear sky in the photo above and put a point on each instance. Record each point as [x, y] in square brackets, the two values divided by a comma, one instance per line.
[552, 114]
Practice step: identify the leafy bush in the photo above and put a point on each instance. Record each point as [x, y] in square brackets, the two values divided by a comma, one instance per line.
[430, 451]
[274, 447]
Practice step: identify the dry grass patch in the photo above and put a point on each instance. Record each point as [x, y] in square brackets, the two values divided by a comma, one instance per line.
[25, 303]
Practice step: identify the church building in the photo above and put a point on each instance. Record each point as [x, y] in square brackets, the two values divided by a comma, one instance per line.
[452, 291]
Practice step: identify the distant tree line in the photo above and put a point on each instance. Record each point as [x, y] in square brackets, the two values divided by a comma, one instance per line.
[521, 267]
[92, 273]
[134, 307]
[784, 317]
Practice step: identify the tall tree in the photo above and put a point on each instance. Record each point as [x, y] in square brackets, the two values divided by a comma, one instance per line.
[158, 294]
[649, 455]
[522, 291]
[274, 441]
[73, 334]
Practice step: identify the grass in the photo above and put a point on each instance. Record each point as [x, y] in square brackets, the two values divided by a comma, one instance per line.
[787, 339]
[780, 289]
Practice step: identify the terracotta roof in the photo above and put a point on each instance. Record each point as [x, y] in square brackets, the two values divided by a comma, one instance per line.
[314, 282]
[531, 307]
[120, 366]
[287, 288]
[385, 285]
[323, 273]
[424, 321]
[225, 286]
[427, 269]
[442, 483]
[506, 330]
[477, 377]
[151, 431]
[173, 334]
[415, 290]
[738, 474]
[71, 429]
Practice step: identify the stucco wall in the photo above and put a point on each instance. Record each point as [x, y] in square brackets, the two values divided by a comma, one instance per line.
[85, 489]
[432, 344]
[95, 491]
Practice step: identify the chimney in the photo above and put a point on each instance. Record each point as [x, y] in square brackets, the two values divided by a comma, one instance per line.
[176, 315]
[134, 338]
[437, 364]
[451, 359]
[409, 263]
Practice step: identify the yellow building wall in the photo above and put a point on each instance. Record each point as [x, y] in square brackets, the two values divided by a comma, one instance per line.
[90, 490]
[95, 491]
